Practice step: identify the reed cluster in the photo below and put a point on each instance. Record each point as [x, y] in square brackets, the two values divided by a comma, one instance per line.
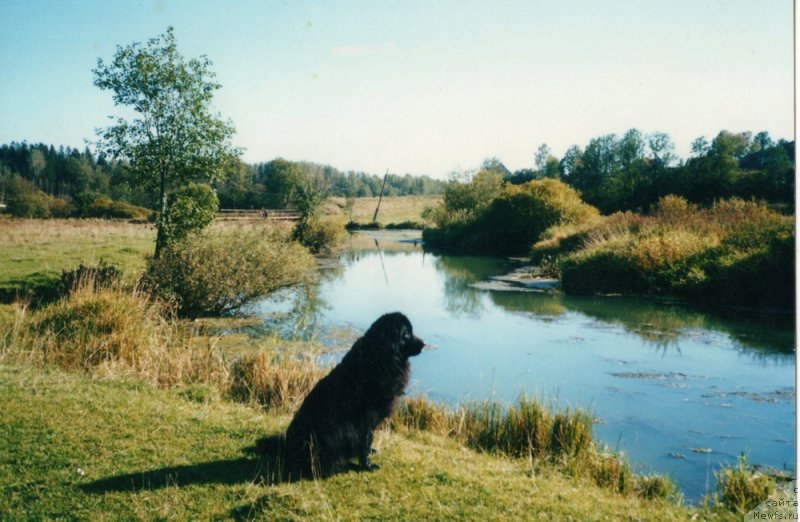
[529, 429]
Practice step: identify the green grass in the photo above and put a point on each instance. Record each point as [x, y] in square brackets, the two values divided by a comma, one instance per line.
[33, 253]
[74, 447]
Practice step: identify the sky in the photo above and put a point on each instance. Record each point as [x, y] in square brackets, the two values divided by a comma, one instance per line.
[421, 87]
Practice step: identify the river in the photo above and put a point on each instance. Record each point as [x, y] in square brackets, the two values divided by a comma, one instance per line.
[679, 392]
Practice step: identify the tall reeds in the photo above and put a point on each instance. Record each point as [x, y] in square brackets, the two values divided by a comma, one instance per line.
[529, 429]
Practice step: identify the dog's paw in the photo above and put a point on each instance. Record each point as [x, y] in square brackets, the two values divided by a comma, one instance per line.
[370, 467]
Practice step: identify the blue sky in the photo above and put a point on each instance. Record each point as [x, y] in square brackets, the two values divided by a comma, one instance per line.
[424, 87]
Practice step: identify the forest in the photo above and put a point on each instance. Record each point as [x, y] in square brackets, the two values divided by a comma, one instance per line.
[612, 173]
[44, 181]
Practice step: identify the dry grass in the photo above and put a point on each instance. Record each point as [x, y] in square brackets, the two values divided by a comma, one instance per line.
[741, 489]
[113, 332]
[274, 379]
[716, 254]
[396, 209]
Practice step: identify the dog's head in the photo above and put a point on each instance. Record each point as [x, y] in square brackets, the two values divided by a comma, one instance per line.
[394, 330]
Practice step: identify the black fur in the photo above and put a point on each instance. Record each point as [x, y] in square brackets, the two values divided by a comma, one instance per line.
[336, 420]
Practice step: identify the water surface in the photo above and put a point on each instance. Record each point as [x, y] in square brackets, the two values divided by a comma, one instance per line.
[678, 391]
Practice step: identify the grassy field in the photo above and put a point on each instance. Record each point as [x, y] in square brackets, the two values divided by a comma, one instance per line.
[76, 447]
[393, 209]
[33, 252]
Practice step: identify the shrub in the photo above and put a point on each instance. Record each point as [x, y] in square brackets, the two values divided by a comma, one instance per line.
[217, 272]
[512, 221]
[600, 271]
[320, 233]
[741, 489]
[25, 200]
[105, 208]
[720, 254]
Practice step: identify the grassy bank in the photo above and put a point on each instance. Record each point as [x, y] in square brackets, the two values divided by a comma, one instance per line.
[735, 252]
[136, 415]
[111, 408]
[95, 449]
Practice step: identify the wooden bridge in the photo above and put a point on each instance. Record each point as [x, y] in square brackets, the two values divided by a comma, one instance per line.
[269, 214]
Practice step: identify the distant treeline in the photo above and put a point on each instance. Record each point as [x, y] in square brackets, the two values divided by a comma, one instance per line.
[634, 171]
[269, 185]
[43, 181]
[612, 173]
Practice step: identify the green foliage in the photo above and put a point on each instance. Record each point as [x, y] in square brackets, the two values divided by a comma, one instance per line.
[281, 178]
[175, 138]
[508, 223]
[320, 234]
[474, 196]
[190, 208]
[219, 271]
[25, 200]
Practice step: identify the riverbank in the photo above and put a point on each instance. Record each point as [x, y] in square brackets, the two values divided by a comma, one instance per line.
[94, 448]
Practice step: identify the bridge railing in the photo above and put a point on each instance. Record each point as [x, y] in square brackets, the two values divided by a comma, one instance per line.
[268, 214]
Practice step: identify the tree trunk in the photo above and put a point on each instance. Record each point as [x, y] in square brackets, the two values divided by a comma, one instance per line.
[161, 234]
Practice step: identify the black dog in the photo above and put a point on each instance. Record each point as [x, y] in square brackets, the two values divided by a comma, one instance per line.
[336, 420]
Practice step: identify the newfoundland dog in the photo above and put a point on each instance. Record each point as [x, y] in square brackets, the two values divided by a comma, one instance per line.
[336, 420]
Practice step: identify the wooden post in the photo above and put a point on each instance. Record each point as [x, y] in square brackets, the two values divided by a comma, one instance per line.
[380, 198]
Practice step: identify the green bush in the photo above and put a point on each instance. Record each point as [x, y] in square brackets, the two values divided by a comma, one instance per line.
[105, 208]
[511, 222]
[736, 252]
[600, 271]
[24, 199]
[219, 271]
[320, 233]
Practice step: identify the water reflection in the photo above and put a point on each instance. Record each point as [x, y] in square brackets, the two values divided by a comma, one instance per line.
[461, 272]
